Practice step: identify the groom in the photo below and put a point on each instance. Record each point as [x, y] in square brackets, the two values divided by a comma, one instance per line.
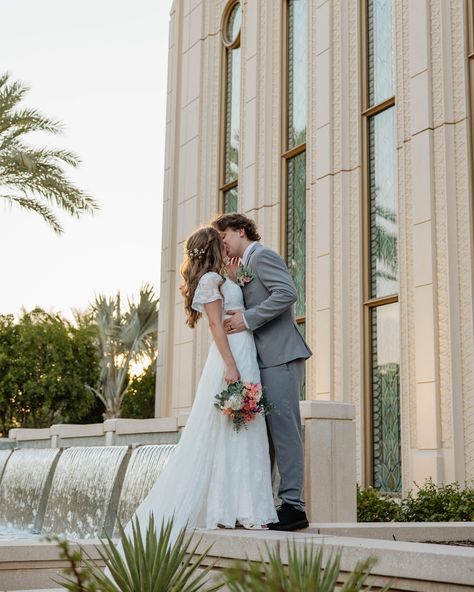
[269, 294]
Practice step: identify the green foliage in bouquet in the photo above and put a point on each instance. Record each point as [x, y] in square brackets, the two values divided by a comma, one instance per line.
[306, 572]
[241, 401]
[147, 564]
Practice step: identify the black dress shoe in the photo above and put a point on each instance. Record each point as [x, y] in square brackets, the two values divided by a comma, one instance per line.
[289, 518]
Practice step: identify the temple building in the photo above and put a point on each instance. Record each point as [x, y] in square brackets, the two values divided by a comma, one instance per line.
[344, 128]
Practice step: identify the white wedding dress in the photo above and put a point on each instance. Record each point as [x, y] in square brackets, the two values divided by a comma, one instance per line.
[216, 476]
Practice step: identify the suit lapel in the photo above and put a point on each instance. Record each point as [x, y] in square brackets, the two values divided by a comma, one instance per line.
[251, 252]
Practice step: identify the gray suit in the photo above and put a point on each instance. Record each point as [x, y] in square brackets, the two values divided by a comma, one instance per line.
[281, 350]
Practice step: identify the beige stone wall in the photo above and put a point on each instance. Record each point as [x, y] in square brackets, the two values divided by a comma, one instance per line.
[434, 196]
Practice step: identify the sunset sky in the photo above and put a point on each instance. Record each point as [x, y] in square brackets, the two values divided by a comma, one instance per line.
[100, 67]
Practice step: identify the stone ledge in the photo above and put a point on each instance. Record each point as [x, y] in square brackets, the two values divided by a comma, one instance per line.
[144, 426]
[22, 434]
[77, 430]
[35, 565]
[327, 410]
[398, 531]
[411, 566]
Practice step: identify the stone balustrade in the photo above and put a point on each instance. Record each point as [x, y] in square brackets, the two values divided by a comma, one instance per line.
[329, 439]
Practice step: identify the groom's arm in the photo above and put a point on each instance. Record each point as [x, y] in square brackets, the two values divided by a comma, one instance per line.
[274, 275]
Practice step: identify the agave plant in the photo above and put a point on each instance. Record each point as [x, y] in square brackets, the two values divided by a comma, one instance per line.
[123, 338]
[153, 563]
[33, 178]
[306, 572]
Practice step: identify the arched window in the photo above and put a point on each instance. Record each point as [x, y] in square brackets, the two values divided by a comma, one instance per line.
[231, 23]
[381, 285]
[294, 148]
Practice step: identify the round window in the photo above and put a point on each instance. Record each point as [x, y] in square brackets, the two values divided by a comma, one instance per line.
[232, 21]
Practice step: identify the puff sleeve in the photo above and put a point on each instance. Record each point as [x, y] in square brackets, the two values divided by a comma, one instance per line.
[207, 290]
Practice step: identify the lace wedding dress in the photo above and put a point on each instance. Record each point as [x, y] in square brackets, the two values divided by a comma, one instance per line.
[216, 476]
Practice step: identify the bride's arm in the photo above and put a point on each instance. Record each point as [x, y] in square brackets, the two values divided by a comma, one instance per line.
[214, 317]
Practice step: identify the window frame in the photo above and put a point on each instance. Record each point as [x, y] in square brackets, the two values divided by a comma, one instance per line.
[287, 153]
[227, 47]
[368, 302]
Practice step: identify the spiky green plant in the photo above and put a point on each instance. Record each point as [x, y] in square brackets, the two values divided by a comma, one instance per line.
[154, 563]
[33, 178]
[306, 572]
[124, 337]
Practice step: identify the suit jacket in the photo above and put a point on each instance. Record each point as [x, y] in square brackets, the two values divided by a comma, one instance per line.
[269, 299]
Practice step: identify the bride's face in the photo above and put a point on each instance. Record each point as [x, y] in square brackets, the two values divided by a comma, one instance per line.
[232, 240]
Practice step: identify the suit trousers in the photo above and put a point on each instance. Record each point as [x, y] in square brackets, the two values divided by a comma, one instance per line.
[282, 386]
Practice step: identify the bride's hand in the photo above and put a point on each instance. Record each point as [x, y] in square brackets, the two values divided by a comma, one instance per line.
[231, 374]
[232, 266]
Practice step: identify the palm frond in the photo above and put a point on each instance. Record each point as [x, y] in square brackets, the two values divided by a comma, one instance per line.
[35, 175]
[30, 203]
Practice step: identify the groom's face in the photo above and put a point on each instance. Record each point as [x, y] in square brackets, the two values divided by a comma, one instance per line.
[234, 241]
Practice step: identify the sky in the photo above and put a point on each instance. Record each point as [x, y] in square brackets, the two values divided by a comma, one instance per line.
[99, 67]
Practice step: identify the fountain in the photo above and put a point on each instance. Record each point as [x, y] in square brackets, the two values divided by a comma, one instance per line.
[146, 463]
[24, 486]
[77, 492]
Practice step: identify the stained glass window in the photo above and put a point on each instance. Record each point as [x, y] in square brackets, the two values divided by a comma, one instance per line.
[294, 152]
[230, 200]
[383, 206]
[231, 39]
[382, 229]
[232, 122]
[380, 50]
[296, 227]
[385, 397]
[297, 72]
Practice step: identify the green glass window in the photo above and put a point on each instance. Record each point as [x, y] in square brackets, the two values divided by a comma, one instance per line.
[383, 205]
[297, 72]
[294, 151]
[382, 285]
[385, 369]
[230, 200]
[296, 227]
[232, 122]
[380, 50]
[231, 24]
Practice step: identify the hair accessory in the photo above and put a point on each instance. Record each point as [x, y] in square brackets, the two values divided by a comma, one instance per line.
[195, 253]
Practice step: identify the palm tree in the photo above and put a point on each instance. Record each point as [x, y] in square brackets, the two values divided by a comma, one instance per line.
[123, 338]
[33, 178]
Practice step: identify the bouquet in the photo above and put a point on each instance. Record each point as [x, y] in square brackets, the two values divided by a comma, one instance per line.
[241, 401]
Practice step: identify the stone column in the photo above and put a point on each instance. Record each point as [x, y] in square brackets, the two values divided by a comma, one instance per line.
[330, 461]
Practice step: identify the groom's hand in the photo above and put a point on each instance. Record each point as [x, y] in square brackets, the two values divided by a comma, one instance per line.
[236, 322]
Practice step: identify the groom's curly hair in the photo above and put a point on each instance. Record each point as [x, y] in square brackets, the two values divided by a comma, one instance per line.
[236, 222]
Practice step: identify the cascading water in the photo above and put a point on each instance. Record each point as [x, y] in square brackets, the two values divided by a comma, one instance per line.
[82, 490]
[4, 456]
[22, 486]
[146, 463]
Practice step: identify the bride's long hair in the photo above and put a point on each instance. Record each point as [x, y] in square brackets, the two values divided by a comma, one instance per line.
[203, 252]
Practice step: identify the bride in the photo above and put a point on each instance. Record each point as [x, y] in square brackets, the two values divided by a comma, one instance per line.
[216, 477]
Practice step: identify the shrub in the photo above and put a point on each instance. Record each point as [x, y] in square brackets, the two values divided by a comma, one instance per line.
[373, 507]
[448, 503]
[429, 503]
